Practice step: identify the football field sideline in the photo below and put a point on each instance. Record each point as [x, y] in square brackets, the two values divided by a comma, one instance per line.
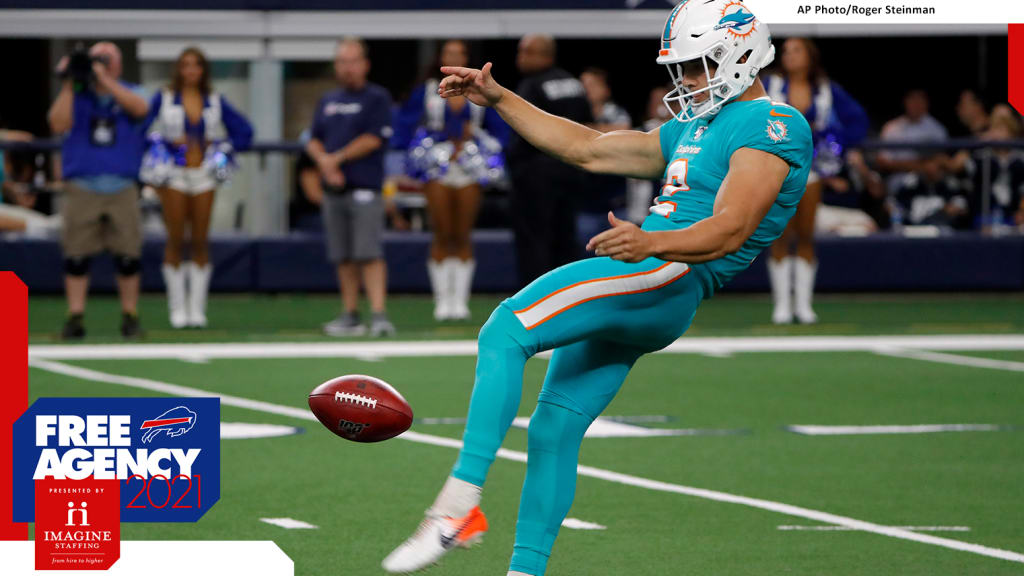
[41, 357]
[925, 348]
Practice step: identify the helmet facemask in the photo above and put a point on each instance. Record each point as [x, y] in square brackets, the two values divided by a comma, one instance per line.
[718, 90]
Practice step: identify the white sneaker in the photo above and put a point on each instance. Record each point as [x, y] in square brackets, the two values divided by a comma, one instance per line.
[381, 326]
[345, 325]
[435, 537]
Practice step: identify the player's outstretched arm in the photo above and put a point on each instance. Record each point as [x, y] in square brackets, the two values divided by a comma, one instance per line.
[747, 193]
[624, 152]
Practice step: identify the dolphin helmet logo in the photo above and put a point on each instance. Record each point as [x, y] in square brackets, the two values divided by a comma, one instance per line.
[736, 21]
[175, 422]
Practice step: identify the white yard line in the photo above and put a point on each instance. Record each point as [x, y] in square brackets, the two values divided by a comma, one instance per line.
[589, 471]
[816, 430]
[845, 528]
[289, 523]
[607, 428]
[577, 524]
[377, 350]
[942, 358]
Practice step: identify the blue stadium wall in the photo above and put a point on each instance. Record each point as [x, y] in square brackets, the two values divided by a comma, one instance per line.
[298, 263]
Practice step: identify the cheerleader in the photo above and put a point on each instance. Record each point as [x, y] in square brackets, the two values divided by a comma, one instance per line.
[838, 122]
[455, 149]
[193, 132]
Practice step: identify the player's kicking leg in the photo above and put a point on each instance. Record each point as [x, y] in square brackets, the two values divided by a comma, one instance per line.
[640, 306]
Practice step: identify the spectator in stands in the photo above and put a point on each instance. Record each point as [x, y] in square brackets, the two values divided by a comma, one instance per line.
[972, 113]
[19, 208]
[917, 179]
[545, 191]
[195, 122]
[351, 127]
[304, 207]
[657, 112]
[1005, 167]
[605, 192]
[915, 126]
[838, 123]
[931, 198]
[11, 191]
[608, 115]
[854, 201]
[101, 153]
[439, 128]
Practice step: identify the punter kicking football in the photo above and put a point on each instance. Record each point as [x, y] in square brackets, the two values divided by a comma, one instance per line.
[734, 164]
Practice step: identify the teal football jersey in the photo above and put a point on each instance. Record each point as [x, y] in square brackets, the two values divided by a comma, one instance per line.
[698, 153]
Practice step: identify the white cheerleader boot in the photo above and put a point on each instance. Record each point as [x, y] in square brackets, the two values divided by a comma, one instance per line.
[440, 285]
[780, 273]
[199, 287]
[174, 279]
[804, 290]
[463, 287]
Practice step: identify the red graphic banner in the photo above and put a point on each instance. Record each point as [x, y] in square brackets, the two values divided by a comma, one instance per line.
[78, 524]
[14, 383]
[1015, 74]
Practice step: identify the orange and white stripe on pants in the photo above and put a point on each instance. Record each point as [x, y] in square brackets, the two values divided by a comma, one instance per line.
[575, 294]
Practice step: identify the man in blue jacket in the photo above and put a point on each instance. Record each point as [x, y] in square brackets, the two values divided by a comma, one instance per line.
[102, 150]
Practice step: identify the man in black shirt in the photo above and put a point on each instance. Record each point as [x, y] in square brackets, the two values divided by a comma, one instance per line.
[545, 190]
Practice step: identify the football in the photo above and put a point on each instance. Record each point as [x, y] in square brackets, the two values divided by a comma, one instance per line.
[361, 408]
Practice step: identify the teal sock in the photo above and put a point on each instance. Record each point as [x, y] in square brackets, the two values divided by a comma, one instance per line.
[496, 394]
[555, 436]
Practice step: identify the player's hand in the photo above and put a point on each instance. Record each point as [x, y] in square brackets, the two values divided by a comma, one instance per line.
[476, 85]
[625, 241]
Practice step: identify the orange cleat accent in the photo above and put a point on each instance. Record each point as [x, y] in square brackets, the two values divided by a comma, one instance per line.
[466, 531]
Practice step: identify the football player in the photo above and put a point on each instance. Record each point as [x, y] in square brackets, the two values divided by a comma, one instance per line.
[735, 166]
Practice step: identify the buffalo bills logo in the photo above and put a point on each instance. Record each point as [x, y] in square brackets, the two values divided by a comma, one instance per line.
[175, 422]
[737, 20]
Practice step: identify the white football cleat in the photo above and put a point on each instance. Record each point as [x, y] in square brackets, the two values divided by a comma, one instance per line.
[434, 538]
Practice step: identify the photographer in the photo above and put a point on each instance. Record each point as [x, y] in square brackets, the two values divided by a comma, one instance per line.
[99, 115]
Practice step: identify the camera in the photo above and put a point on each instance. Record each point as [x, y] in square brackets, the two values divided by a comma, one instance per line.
[79, 68]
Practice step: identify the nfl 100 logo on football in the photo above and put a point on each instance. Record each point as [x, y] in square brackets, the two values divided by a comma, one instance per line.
[164, 452]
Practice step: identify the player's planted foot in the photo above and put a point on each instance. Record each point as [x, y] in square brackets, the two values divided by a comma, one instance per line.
[436, 535]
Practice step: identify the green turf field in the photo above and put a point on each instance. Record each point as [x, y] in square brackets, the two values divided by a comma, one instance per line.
[298, 317]
[365, 499]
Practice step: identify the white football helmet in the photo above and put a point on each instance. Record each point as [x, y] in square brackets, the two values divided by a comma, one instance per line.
[722, 31]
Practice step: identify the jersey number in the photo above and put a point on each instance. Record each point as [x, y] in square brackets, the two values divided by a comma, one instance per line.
[675, 181]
